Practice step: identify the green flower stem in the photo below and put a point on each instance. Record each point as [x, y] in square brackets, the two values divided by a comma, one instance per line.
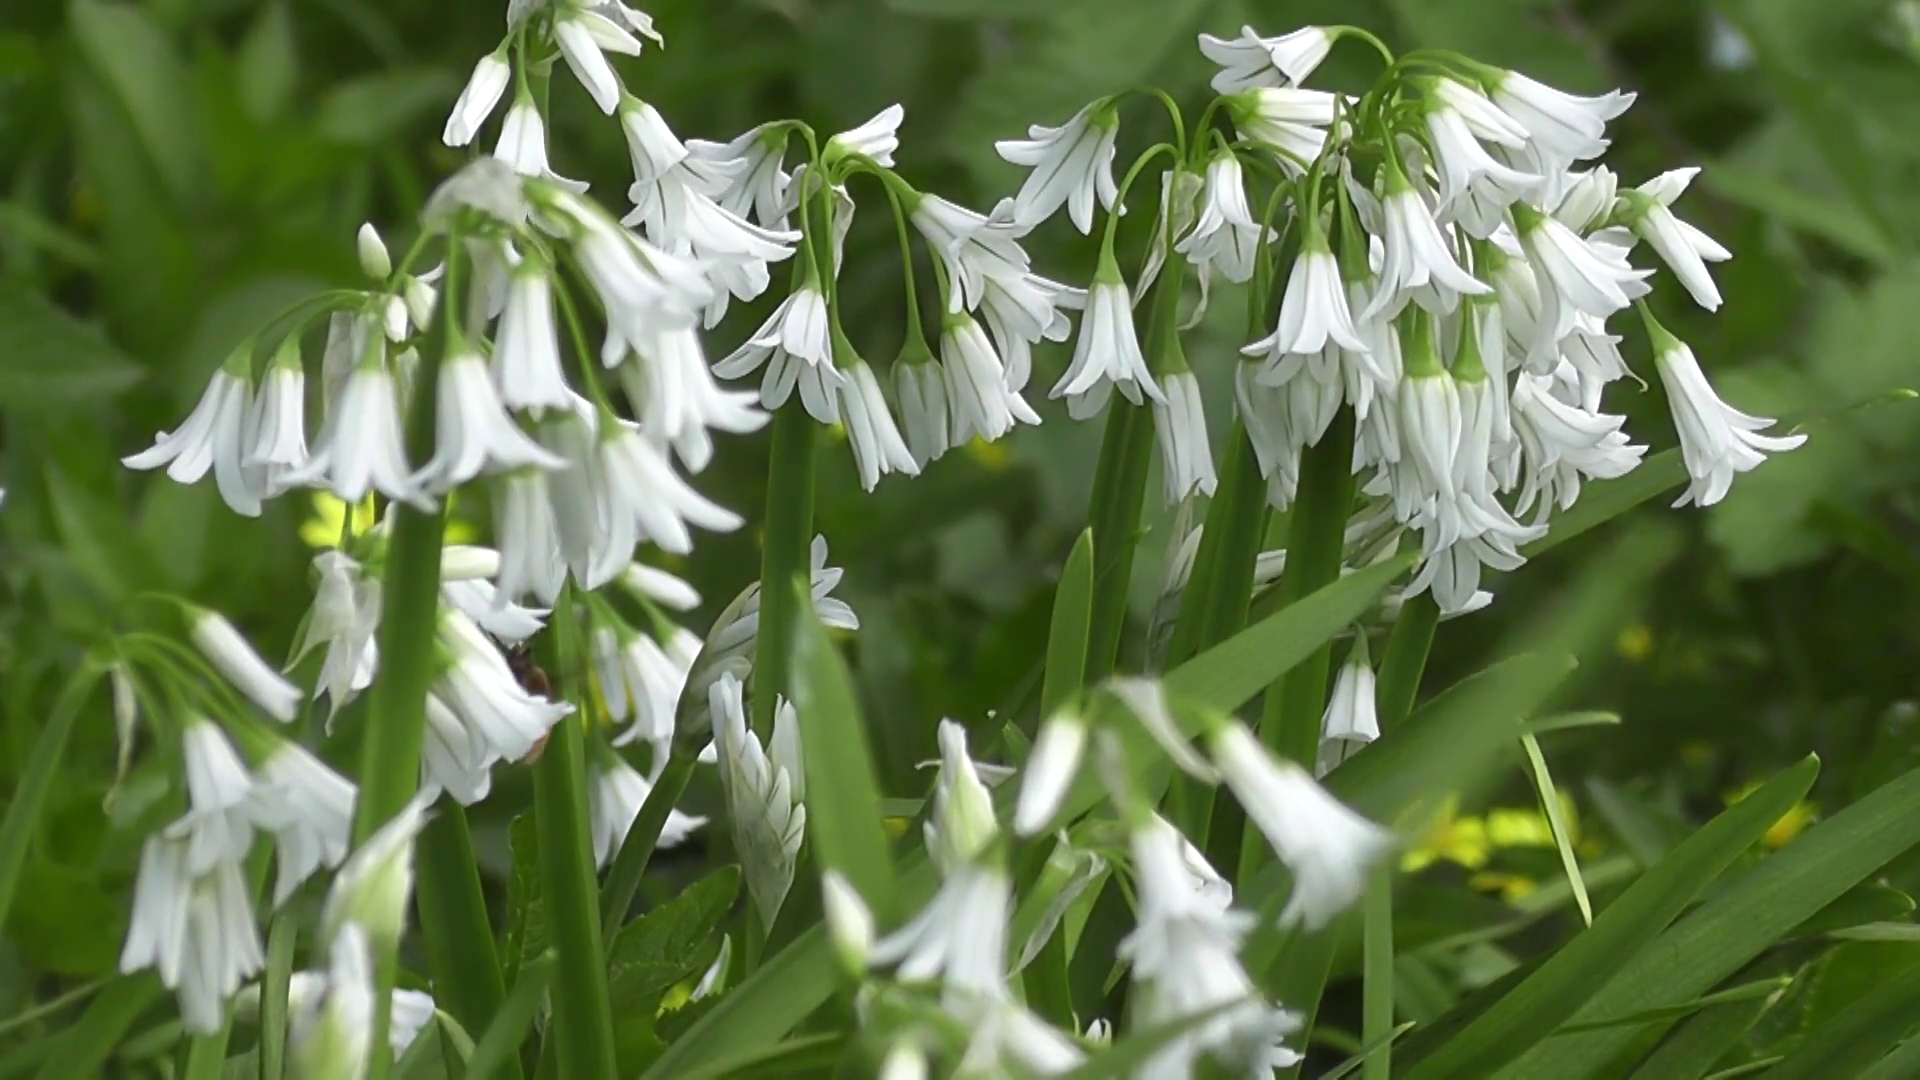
[1290, 722]
[1120, 488]
[630, 864]
[1376, 1007]
[582, 1012]
[786, 536]
[409, 617]
[453, 915]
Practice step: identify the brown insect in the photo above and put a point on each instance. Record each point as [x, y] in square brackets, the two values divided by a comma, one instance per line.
[533, 679]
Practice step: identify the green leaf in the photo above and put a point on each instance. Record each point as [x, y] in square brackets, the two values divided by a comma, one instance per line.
[526, 925]
[130, 53]
[1125, 1054]
[762, 1009]
[791, 1058]
[87, 1045]
[1557, 823]
[1066, 667]
[1830, 220]
[1903, 1063]
[843, 802]
[49, 359]
[1568, 720]
[1728, 931]
[375, 107]
[1760, 990]
[281, 939]
[1693, 1047]
[1850, 1042]
[1535, 1008]
[1863, 905]
[671, 943]
[500, 1043]
[38, 775]
[268, 63]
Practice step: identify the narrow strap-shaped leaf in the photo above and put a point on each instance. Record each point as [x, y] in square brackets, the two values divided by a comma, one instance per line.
[500, 1043]
[795, 1057]
[1857, 1037]
[281, 938]
[843, 801]
[1692, 1048]
[1902, 1063]
[1066, 666]
[1604, 500]
[1729, 930]
[1758, 990]
[1557, 824]
[1569, 978]
[37, 777]
[88, 1044]
[1367, 1053]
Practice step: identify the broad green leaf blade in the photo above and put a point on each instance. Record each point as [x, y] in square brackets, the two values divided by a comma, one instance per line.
[37, 777]
[1759, 990]
[48, 358]
[1728, 931]
[843, 802]
[1557, 823]
[1066, 669]
[1859, 1036]
[128, 49]
[673, 942]
[1692, 1048]
[1535, 1008]
[1870, 903]
[500, 1043]
[1604, 500]
[1902, 1064]
[1228, 675]
[795, 1057]
[1367, 1053]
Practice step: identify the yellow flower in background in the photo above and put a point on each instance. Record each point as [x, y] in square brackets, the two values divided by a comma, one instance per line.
[1511, 887]
[1635, 643]
[322, 529]
[1453, 839]
[1472, 841]
[1791, 824]
[989, 454]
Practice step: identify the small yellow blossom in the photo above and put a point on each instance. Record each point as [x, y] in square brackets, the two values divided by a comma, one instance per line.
[1791, 824]
[1635, 643]
[990, 454]
[322, 530]
[1511, 887]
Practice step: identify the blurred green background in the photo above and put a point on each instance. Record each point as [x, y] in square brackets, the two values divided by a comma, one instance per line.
[174, 172]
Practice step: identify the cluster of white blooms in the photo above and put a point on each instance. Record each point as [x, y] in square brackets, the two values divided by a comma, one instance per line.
[1458, 260]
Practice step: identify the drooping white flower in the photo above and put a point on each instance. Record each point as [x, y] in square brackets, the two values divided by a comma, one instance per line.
[1225, 236]
[477, 99]
[1289, 123]
[584, 38]
[275, 441]
[473, 430]
[1327, 846]
[643, 499]
[737, 630]
[875, 140]
[1351, 720]
[196, 932]
[759, 184]
[616, 791]
[523, 144]
[976, 384]
[1683, 247]
[344, 616]
[679, 402]
[1180, 429]
[961, 934]
[877, 446]
[921, 384]
[452, 757]
[1049, 772]
[218, 825]
[1576, 275]
[309, 809]
[362, 445]
[235, 658]
[524, 526]
[1184, 954]
[974, 248]
[849, 922]
[1072, 166]
[1564, 126]
[1717, 440]
[1107, 353]
[212, 436]
[1313, 310]
[1020, 312]
[1465, 167]
[640, 681]
[310, 997]
[1250, 60]
[526, 351]
[796, 348]
[1418, 260]
[766, 816]
[643, 289]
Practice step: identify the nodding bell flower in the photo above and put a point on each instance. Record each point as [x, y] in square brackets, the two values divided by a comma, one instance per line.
[655, 585]
[233, 657]
[309, 809]
[920, 382]
[1050, 769]
[976, 389]
[1180, 429]
[276, 431]
[640, 681]
[362, 446]
[1251, 61]
[218, 826]
[196, 931]
[875, 140]
[795, 346]
[763, 803]
[1225, 236]
[1107, 354]
[616, 791]
[876, 443]
[477, 99]
[1072, 166]
[344, 616]
[1685, 249]
[374, 885]
[1327, 846]
[642, 499]
[757, 184]
[849, 922]
[526, 350]
[1564, 127]
[523, 144]
[213, 436]
[1288, 123]
[473, 430]
[1350, 721]
[503, 721]
[584, 38]
[1717, 441]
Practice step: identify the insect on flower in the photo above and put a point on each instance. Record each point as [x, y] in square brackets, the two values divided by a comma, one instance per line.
[533, 679]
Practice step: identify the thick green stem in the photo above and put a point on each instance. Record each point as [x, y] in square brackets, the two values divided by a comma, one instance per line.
[1376, 1011]
[409, 622]
[630, 864]
[786, 537]
[453, 915]
[582, 1012]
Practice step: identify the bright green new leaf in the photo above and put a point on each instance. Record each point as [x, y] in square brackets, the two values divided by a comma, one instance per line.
[843, 802]
[1691, 1049]
[1858, 1037]
[1557, 822]
[500, 1043]
[1066, 667]
[1759, 990]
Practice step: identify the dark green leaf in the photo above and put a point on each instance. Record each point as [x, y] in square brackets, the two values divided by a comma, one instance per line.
[1066, 667]
[49, 359]
[671, 943]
